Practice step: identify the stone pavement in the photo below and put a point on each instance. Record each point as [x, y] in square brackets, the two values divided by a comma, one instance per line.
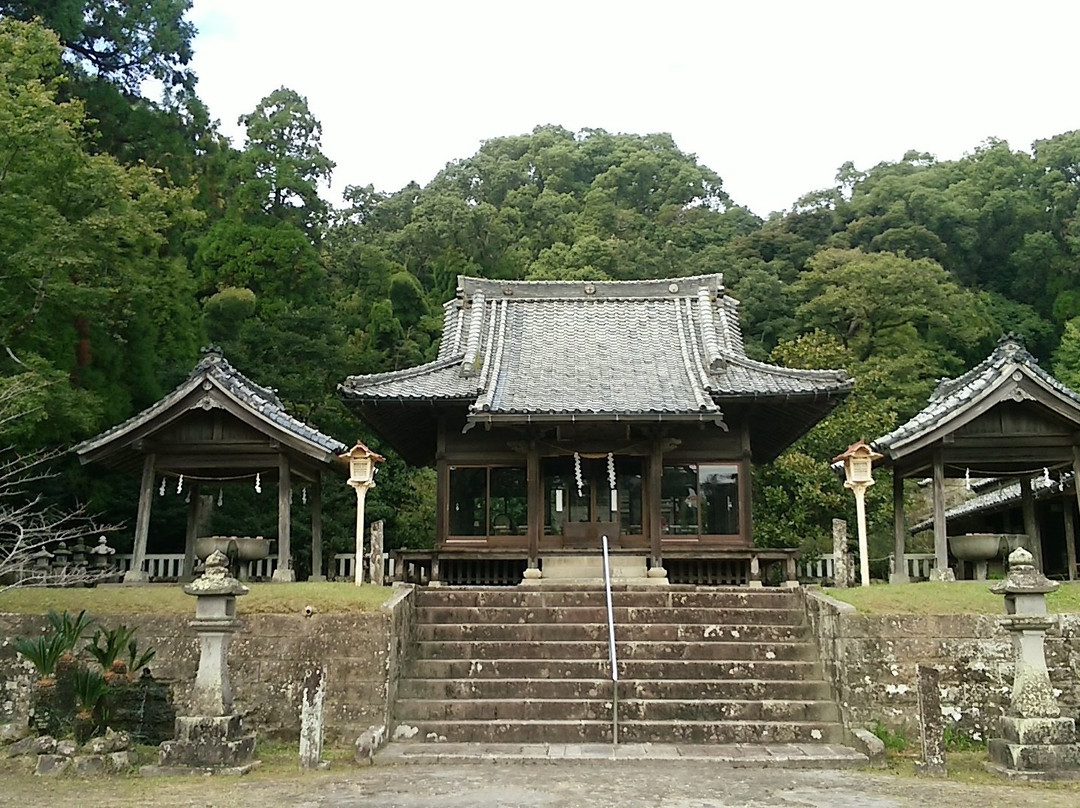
[759, 756]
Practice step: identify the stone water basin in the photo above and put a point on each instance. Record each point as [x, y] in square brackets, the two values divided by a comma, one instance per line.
[247, 548]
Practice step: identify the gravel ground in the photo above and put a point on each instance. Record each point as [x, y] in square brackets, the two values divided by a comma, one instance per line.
[591, 784]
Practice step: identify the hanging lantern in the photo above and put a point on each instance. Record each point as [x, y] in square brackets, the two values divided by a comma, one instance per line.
[161, 490]
[258, 483]
[180, 484]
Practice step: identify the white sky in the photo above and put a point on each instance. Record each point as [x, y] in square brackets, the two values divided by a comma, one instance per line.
[773, 96]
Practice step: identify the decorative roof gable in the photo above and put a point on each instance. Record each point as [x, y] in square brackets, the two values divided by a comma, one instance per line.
[1009, 373]
[212, 381]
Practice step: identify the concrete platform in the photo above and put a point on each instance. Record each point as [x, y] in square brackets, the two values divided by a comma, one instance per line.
[759, 756]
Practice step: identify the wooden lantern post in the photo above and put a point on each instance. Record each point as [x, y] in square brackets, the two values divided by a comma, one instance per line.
[362, 462]
[859, 475]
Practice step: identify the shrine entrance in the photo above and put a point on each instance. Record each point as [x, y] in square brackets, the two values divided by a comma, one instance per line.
[586, 497]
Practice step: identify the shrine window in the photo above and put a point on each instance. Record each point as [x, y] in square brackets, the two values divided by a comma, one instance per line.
[488, 501]
[700, 499]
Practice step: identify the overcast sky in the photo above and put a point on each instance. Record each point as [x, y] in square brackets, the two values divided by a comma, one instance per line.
[773, 96]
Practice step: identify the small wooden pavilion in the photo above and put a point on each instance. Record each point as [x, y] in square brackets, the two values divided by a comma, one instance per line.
[558, 412]
[1006, 417]
[216, 427]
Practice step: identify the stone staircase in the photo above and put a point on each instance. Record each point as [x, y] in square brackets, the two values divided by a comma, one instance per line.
[696, 666]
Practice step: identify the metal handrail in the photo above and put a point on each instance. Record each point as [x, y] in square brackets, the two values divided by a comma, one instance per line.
[611, 648]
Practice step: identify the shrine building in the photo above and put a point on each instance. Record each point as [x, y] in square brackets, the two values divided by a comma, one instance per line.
[559, 412]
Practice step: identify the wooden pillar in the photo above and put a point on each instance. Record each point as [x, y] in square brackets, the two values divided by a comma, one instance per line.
[534, 492]
[1031, 525]
[652, 501]
[1071, 543]
[1070, 536]
[442, 487]
[187, 573]
[284, 572]
[317, 571]
[136, 575]
[899, 574]
[941, 542]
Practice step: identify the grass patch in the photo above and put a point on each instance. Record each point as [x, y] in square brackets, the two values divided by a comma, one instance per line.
[162, 599]
[959, 597]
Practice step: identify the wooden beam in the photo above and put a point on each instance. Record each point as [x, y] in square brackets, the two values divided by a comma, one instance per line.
[899, 574]
[284, 573]
[317, 572]
[1031, 524]
[142, 523]
[941, 543]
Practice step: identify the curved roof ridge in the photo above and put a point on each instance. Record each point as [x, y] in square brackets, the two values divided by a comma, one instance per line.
[810, 374]
[404, 373]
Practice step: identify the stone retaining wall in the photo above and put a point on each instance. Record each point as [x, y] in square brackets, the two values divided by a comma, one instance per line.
[870, 661]
[268, 660]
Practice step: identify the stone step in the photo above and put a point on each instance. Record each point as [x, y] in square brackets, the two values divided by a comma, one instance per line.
[600, 688]
[519, 709]
[598, 614]
[695, 732]
[600, 668]
[598, 632]
[662, 597]
[645, 649]
[757, 756]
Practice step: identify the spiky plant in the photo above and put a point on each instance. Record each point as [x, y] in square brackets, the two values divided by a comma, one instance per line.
[43, 653]
[107, 649]
[69, 629]
[137, 660]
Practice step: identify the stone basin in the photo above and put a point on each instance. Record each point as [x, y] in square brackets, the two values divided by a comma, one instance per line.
[976, 546]
[248, 548]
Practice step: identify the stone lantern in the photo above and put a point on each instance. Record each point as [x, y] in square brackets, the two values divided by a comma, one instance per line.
[99, 554]
[858, 460]
[362, 471]
[1036, 741]
[212, 736]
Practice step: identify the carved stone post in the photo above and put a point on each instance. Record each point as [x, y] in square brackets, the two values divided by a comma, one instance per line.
[1036, 741]
[841, 568]
[377, 570]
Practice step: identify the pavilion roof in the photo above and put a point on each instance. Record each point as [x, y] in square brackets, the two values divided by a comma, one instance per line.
[213, 383]
[670, 349]
[1010, 373]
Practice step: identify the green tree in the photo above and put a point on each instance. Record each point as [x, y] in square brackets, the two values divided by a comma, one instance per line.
[88, 283]
[282, 163]
[886, 304]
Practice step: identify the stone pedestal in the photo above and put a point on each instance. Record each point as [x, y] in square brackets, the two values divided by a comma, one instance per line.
[1036, 742]
[212, 740]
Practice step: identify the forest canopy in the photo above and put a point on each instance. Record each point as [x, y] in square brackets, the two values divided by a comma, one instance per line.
[132, 233]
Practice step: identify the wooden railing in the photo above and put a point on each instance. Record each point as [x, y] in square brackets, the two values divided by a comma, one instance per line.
[823, 567]
[166, 567]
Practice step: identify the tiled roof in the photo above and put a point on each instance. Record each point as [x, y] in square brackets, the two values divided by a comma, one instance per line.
[670, 347]
[213, 369]
[999, 498]
[952, 396]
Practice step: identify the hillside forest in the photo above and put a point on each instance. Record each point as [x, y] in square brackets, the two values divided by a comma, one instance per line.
[132, 233]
